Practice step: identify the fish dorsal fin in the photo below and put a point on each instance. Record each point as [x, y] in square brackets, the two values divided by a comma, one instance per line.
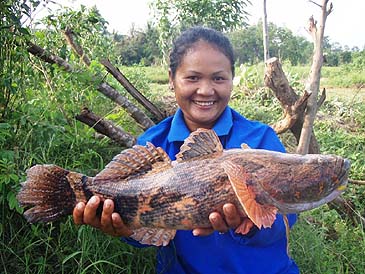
[200, 143]
[260, 215]
[153, 236]
[135, 161]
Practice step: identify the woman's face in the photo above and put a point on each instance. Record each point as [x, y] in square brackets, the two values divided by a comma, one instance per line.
[202, 85]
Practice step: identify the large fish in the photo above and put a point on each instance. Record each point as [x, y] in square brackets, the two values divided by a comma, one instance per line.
[156, 196]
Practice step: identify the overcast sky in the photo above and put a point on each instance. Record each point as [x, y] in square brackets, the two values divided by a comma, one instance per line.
[344, 25]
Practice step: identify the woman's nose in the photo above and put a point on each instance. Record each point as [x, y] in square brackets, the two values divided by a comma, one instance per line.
[205, 88]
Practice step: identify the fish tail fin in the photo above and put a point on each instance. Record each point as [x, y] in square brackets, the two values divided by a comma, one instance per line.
[51, 192]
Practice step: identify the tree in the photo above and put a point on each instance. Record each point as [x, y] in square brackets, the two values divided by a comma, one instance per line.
[139, 47]
[265, 33]
[174, 16]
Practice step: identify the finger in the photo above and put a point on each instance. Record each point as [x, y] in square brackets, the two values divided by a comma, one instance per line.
[106, 216]
[119, 227]
[90, 216]
[231, 215]
[218, 222]
[78, 213]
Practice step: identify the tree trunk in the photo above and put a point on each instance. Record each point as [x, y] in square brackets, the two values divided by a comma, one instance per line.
[293, 105]
[314, 78]
[265, 33]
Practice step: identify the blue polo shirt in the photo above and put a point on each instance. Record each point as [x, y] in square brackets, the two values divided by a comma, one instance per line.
[260, 251]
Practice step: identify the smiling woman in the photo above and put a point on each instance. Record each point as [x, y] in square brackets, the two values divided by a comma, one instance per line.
[202, 85]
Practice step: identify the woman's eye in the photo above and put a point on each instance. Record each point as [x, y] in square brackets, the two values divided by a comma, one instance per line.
[193, 78]
[218, 78]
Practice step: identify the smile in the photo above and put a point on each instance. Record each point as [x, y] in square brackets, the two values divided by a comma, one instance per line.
[204, 103]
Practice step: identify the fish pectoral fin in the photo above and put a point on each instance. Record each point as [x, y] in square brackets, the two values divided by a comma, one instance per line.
[153, 236]
[260, 215]
[200, 143]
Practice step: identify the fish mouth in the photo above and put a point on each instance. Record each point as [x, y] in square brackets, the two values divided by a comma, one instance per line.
[342, 184]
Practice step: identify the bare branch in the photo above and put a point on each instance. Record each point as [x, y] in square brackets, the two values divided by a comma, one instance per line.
[48, 57]
[322, 99]
[357, 182]
[70, 38]
[106, 128]
[310, 1]
[139, 116]
[132, 90]
[313, 81]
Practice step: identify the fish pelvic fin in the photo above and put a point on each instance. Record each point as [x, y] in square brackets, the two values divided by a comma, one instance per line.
[51, 192]
[260, 215]
[153, 236]
[133, 162]
[200, 143]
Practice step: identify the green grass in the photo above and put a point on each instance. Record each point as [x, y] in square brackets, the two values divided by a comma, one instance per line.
[321, 241]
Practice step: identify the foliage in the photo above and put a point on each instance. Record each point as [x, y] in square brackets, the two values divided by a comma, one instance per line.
[139, 47]
[173, 16]
[248, 45]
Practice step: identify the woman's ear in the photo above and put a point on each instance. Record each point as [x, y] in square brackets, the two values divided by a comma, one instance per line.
[171, 81]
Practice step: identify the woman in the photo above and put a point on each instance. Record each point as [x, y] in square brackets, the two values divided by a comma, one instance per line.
[201, 75]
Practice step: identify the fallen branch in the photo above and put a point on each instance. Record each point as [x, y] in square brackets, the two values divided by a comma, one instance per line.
[48, 57]
[140, 117]
[357, 182]
[69, 35]
[106, 128]
[117, 74]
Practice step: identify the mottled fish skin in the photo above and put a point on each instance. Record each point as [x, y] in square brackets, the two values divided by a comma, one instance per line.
[150, 191]
[183, 196]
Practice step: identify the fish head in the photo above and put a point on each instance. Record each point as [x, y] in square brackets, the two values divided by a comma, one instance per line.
[316, 180]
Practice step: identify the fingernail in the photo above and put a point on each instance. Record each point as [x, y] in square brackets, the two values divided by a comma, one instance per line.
[195, 233]
[80, 206]
[93, 200]
[214, 219]
[107, 204]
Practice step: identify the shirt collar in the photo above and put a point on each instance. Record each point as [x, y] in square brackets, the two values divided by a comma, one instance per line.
[179, 130]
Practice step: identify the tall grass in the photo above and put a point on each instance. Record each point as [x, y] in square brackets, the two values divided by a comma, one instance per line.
[321, 241]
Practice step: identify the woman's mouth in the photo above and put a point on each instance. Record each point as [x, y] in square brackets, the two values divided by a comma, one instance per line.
[204, 103]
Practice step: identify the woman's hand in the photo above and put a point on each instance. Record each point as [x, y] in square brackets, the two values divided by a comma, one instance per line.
[110, 222]
[231, 219]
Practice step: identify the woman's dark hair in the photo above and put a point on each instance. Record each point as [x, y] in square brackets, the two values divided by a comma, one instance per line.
[192, 35]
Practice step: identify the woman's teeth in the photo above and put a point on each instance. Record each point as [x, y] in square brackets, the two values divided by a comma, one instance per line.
[201, 103]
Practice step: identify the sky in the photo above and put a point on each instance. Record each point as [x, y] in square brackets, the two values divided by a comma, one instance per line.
[344, 25]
